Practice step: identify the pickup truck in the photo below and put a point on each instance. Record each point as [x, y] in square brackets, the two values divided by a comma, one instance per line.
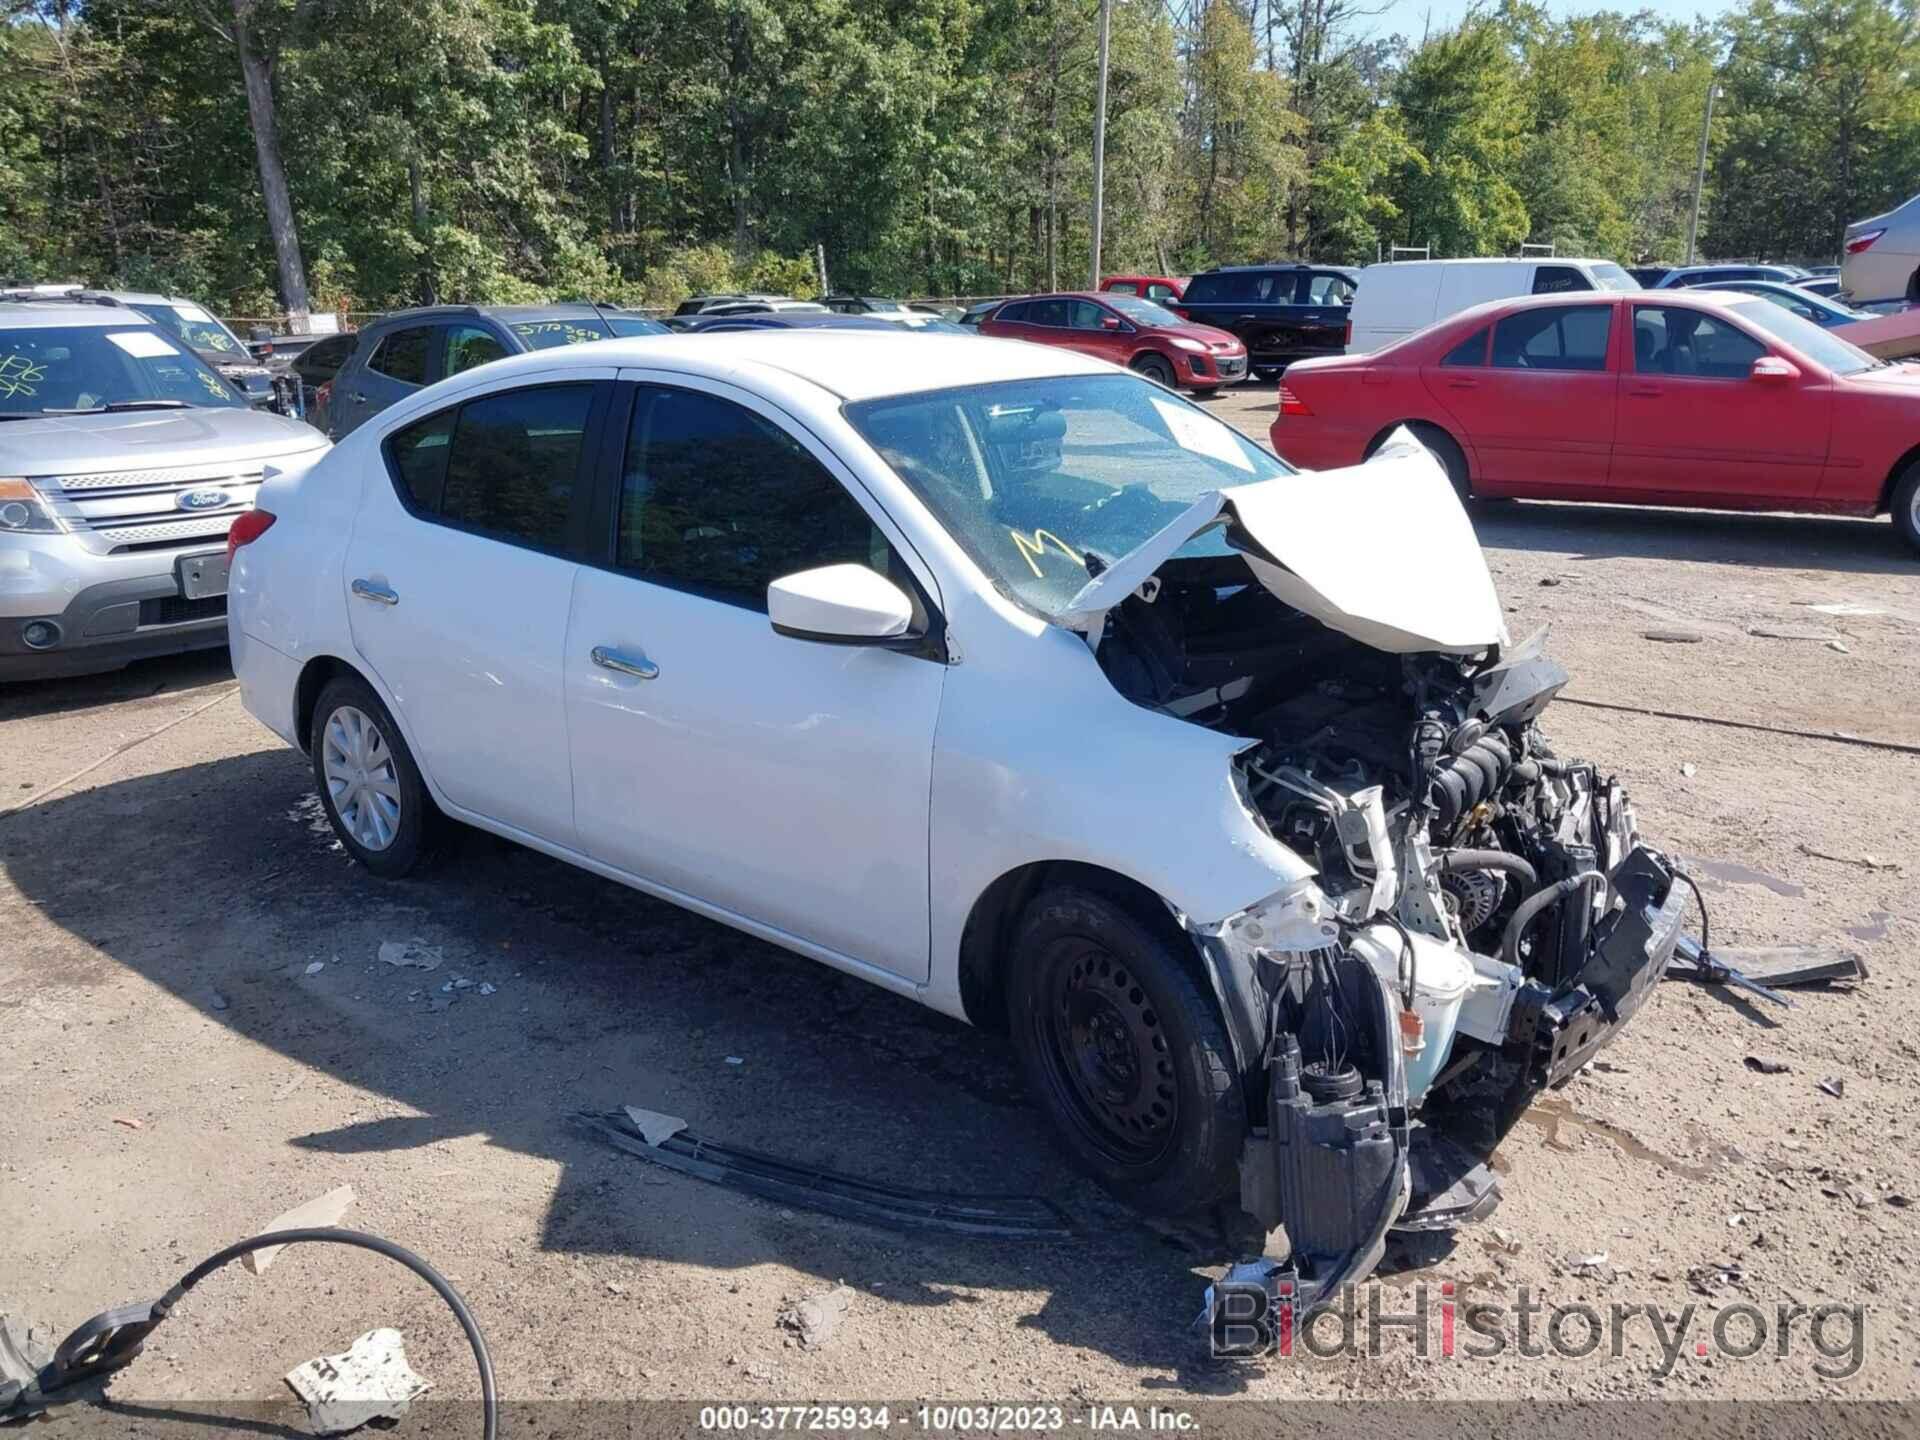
[1282, 313]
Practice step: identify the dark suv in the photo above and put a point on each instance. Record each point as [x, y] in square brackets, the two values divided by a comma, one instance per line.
[1282, 313]
[401, 352]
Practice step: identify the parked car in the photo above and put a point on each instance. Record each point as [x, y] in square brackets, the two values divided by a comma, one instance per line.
[1149, 287]
[688, 616]
[1402, 297]
[698, 304]
[1822, 272]
[316, 368]
[1694, 276]
[935, 308]
[974, 315]
[1881, 257]
[1129, 331]
[1797, 300]
[862, 305]
[411, 349]
[1281, 313]
[1683, 397]
[195, 327]
[123, 461]
[1827, 287]
[1649, 276]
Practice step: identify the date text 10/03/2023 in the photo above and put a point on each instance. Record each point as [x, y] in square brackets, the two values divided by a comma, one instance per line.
[964, 1419]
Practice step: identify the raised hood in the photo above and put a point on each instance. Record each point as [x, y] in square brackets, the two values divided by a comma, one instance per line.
[1381, 551]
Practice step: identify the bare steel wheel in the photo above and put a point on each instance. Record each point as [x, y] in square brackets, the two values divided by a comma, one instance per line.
[1125, 1050]
[361, 779]
[369, 784]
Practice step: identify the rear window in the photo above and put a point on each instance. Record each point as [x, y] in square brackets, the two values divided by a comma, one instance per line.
[321, 362]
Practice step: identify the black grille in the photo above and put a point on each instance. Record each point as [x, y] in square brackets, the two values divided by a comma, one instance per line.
[177, 610]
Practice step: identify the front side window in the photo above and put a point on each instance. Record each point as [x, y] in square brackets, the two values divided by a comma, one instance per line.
[505, 465]
[716, 500]
[86, 369]
[402, 355]
[1085, 315]
[1557, 337]
[1682, 342]
[470, 345]
[1046, 481]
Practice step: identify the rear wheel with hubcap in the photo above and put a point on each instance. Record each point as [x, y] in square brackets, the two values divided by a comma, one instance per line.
[1905, 504]
[1125, 1052]
[369, 784]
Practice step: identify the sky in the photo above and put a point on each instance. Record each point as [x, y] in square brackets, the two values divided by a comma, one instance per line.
[1409, 17]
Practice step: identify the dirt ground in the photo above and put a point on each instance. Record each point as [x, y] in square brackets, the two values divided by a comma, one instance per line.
[195, 1035]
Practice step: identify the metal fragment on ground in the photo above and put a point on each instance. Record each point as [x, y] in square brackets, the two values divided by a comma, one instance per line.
[370, 1381]
[654, 1128]
[410, 954]
[315, 1214]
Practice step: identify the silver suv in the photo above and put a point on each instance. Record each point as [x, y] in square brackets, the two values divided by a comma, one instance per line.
[123, 461]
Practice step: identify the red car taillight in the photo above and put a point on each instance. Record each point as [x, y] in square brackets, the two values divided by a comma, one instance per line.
[1864, 242]
[245, 530]
[1292, 404]
[1346, 339]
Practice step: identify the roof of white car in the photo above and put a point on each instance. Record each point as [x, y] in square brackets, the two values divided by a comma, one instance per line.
[39, 315]
[851, 364]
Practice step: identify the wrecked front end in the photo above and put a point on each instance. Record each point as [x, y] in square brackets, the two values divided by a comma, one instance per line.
[1484, 915]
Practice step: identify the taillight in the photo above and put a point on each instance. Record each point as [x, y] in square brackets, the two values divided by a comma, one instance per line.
[1346, 337]
[245, 530]
[1864, 242]
[1292, 404]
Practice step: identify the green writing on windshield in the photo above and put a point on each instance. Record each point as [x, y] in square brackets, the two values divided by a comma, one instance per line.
[20, 375]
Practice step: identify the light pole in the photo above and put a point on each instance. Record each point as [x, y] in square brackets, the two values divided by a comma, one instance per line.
[1700, 169]
[1100, 142]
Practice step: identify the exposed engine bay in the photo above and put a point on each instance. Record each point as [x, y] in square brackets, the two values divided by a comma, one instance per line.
[1493, 906]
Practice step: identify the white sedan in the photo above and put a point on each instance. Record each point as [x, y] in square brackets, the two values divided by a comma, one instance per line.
[1004, 679]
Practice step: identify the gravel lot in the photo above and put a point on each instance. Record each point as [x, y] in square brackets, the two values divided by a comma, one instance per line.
[198, 1036]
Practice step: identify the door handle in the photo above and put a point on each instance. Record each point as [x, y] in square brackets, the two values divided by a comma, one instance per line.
[358, 398]
[375, 591]
[1647, 392]
[637, 666]
[1463, 384]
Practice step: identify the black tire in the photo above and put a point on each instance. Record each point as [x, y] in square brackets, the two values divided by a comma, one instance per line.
[1905, 505]
[414, 824]
[1156, 368]
[1126, 1052]
[1268, 374]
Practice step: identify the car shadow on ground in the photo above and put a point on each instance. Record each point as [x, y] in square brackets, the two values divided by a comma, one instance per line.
[603, 997]
[1715, 537]
[171, 674]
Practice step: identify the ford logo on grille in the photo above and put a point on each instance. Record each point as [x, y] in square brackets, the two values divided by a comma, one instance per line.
[208, 499]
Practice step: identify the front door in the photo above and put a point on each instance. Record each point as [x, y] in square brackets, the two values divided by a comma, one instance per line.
[460, 578]
[1695, 423]
[1537, 406]
[782, 780]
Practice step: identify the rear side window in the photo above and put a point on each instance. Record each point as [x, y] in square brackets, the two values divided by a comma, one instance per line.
[1045, 312]
[1329, 290]
[320, 363]
[403, 355]
[1015, 313]
[1470, 351]
[718, 501]
[505, 465]
[1558, 337]
[1558, 280]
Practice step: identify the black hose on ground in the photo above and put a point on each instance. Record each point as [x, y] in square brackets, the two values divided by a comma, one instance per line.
[1534, 905]
[1488, 860]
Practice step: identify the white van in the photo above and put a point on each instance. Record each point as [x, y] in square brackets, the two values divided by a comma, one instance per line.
[1402, 296]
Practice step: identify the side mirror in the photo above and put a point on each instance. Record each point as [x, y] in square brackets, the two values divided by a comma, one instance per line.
[1772, 370]
[1110, 322]
[840, 605]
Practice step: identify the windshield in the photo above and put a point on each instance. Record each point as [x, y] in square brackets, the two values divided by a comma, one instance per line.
[1608, 276]
[547, 334]
[195, 328]
[1822, 347]
[82, 368]
[1033, 477]
[629, 325]
[1142, 312]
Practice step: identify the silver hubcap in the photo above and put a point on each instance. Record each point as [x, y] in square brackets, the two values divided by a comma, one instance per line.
[1913, 511]
[361, 778]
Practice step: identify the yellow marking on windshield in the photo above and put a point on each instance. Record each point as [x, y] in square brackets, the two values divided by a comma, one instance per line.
[1032, 550]
[19, 376]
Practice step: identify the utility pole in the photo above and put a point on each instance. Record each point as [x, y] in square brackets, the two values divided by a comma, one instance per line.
[1700, 168]
[1100, 142]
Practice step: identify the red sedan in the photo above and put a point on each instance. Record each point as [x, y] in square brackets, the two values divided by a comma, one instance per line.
[1649, 398]
[1128, 331]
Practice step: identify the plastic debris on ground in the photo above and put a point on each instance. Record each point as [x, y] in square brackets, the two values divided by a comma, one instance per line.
[410, 954]
[370, 1381]
[316, 1214]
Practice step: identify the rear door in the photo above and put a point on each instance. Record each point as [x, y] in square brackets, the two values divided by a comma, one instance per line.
[460, 579]
[400, 362]
[1537, 412]
[1696, 424]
